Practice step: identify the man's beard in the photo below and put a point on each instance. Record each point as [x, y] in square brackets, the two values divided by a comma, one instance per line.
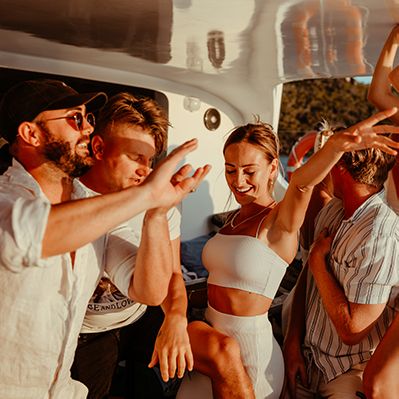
[60, 153]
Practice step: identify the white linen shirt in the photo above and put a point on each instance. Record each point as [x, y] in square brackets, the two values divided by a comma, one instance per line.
[44, 300]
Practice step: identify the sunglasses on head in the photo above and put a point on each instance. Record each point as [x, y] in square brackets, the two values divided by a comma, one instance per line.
[77, 119]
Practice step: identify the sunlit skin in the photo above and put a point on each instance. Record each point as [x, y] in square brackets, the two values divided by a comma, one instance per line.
[65, 130]
[247, 173]
[334, 173]
[33, 142]
[126, 158]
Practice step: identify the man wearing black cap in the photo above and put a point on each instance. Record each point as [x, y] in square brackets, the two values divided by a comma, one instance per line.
[52, 242]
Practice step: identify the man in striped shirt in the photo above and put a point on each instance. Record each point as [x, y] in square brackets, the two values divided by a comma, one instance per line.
[344, 303]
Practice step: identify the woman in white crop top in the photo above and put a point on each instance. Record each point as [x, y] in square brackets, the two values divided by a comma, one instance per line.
[247, 259]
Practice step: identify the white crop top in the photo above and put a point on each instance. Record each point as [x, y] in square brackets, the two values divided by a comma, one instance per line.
[243, 262]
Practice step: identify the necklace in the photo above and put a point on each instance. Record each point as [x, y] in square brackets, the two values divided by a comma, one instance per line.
[233, 227]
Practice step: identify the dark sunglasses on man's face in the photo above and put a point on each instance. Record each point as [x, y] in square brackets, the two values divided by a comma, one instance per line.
[78, 119]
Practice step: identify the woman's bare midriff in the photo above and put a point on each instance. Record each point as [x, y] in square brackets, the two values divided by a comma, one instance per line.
[237, 302]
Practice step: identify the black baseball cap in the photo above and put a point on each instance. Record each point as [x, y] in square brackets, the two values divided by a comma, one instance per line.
[27, 99]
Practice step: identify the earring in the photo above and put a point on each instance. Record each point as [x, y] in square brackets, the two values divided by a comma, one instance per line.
[270, 185]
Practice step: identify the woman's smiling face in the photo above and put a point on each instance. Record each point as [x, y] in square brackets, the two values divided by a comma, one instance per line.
[247, 172]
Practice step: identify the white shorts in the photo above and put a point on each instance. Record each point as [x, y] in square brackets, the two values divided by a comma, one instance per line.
[260, 353]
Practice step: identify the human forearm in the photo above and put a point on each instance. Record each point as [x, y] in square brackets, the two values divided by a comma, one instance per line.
[172, 347]
[380, 91]
[175, 304]
[293, 207]
[384, 64]
[318, 166]
[153, 268]
[353, 321]
[72, 224]
[332, 295]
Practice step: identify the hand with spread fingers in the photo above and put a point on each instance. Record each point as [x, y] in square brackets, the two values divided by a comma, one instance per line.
[169, 193]
[367, 134]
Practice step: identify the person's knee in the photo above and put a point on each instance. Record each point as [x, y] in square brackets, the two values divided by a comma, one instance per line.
[227, 353]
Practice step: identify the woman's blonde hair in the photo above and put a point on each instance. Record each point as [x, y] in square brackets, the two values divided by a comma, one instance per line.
[259, 134]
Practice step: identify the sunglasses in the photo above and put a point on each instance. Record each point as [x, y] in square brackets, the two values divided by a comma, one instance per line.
[77, 119]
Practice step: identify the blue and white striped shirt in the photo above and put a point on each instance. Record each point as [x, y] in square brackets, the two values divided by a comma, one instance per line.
[364, 259]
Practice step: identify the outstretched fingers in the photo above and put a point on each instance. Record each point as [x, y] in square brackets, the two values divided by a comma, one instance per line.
[190, 183]
[370, 137]
[385, 129]
[181, 174]
[200, 174]
[373, 137]
[176, 155]
[378, 117]
[165, 170]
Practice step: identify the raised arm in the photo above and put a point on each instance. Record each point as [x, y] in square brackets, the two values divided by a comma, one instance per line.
[380, 91]
[153, 263]
[364, 134]
[73, 224]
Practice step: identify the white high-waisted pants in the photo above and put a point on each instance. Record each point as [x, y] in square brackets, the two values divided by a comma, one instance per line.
[260, 353]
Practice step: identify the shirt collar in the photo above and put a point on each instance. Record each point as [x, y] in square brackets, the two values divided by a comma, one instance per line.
[375, 199]
[19, 175]
[80, 190]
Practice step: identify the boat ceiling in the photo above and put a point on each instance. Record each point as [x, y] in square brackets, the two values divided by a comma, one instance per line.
[234, 52]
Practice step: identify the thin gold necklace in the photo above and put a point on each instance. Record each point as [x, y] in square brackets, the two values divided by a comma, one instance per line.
[233, 227]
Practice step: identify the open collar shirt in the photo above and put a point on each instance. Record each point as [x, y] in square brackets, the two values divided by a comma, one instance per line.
[43, 300]
[364, 258]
